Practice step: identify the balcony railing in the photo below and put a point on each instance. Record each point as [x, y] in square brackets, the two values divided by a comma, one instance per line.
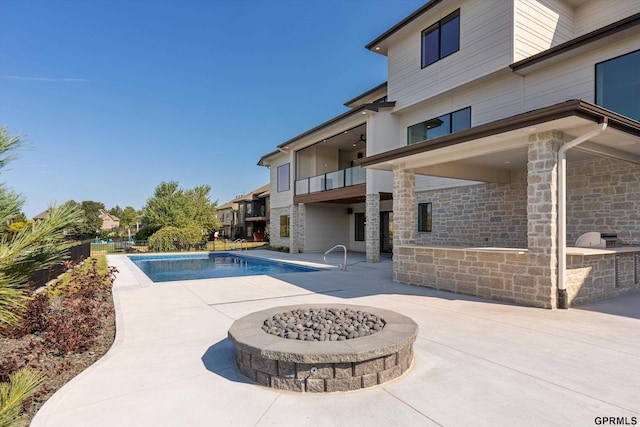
[331, 180]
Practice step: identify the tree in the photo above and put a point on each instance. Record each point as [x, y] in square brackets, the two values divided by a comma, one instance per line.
[201, 212]
[128, 218]
[166, 207]
[29, 249]
[91, 223]
[172, 206]
[117, 211]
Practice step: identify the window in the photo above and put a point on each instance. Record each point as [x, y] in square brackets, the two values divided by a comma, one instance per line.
[618, 85]
[283, 178]
[441, 39]
[284, 225]
[424, 217]
[440, 126]
[360, 223]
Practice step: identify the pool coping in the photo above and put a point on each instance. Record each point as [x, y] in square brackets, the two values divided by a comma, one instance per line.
[144, 280]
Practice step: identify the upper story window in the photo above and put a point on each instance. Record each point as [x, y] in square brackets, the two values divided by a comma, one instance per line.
[284, 178]
[441, 39]
[618, 85]
[440, 126]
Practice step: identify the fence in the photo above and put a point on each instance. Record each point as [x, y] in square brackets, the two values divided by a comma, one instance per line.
[141, 246]
[76, 253]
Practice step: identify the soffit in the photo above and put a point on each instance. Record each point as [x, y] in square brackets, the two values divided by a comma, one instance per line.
[491, 158]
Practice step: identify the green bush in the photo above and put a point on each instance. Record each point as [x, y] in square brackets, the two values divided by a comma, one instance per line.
[169, 239]
[145, 233]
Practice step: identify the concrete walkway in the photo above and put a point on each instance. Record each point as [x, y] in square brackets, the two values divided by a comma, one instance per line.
[477, 362]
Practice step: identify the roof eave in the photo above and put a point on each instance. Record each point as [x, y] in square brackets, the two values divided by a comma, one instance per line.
[578, 108]
[586, 39]
[416, 14]
[376, 106]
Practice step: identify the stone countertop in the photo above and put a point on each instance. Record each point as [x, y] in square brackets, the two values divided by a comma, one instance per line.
[603, 251]
[474, 248]
[571, 250]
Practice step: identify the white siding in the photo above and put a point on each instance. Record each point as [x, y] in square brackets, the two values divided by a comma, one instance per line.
[284, 198]
[540, 25]
[490, 100]
[485, 47]
[599, 13]
[572, 79]
[326, 225]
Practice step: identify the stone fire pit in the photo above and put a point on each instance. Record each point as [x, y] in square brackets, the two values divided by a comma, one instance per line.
[344, 364]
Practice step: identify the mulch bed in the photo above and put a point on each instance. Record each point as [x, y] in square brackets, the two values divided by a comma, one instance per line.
[61, 337]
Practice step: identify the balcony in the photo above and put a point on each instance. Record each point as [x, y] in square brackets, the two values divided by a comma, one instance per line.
[331, 181]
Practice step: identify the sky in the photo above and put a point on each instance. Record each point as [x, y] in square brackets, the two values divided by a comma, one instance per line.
[115, 97]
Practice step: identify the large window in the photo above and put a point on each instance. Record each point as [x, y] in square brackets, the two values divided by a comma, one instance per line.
[441, 39]
[424, 217]
[284, 225]
[283, 178]
[618, 85]
[440, 126]
[360, 222]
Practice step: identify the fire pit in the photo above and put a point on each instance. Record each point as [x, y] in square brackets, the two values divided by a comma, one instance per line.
[323, 348]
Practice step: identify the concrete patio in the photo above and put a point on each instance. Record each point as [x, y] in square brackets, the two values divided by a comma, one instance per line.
[477, 362]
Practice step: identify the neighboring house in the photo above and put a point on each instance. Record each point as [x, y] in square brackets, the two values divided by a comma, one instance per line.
[505, 131]
[41, 216]
[228, 216]
[109, 222]
[253, 214]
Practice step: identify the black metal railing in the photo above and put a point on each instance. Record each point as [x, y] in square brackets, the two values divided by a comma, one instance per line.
[42, 277]
[331, 180]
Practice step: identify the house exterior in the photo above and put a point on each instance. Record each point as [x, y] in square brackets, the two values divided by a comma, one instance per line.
[109, 222]
[246, 216]
[228, 216]
[506, 130]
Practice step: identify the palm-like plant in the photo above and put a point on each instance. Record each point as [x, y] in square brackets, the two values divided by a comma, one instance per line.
[32, 248]
[22, 384]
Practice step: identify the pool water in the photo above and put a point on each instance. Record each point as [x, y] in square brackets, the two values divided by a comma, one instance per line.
[166, 268]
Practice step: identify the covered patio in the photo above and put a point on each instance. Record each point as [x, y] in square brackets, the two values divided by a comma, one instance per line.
[549, 176]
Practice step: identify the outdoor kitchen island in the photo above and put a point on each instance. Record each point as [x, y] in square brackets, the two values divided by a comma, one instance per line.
[597, 273]
[520, 275]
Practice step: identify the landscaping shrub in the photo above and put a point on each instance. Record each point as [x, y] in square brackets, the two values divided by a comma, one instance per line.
[73, 316]
[169, 239]
[145, 233]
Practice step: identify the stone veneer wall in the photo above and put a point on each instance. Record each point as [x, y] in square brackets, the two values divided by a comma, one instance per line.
[596, 277]
[274, 226]
[324, 377]
[603, 195]
[529, 277]
[478, 215]
[372, 229]
[502, 276]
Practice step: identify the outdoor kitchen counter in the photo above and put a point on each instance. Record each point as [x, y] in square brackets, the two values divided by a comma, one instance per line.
[571, 250]
[603, 251]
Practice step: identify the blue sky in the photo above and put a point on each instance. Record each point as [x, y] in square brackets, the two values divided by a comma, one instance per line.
[117, 96]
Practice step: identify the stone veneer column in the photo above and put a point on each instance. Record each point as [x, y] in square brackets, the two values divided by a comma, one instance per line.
[293, 229]
[405, 209]
[372, 229]
[542, 211]
[302, 232]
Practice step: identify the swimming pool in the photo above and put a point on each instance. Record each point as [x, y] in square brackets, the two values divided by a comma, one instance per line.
[166, 268]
